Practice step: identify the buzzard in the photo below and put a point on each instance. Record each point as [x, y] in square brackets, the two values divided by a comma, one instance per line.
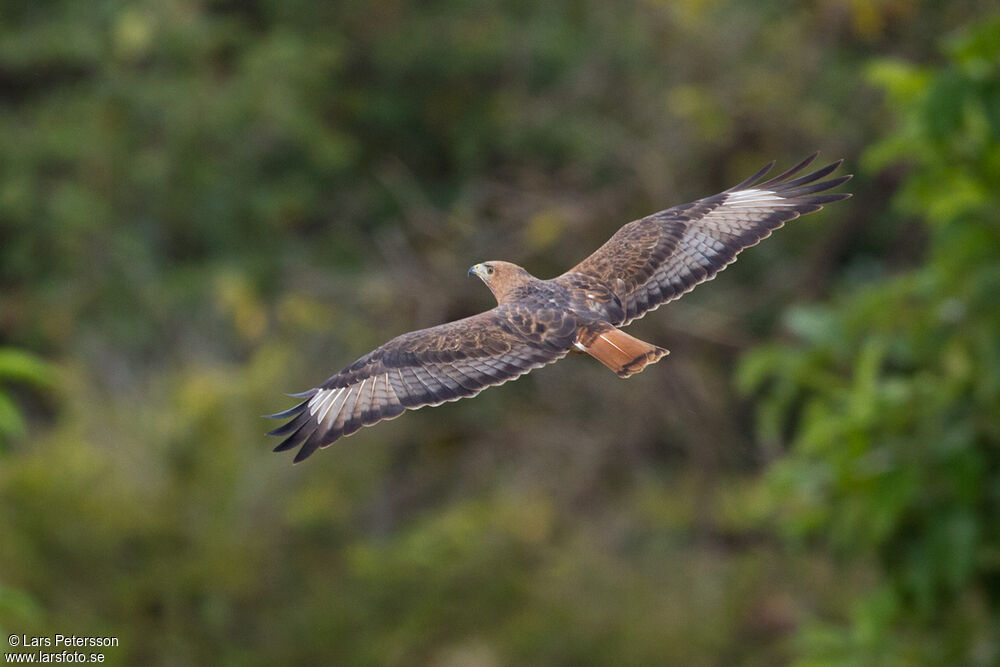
[647, 263]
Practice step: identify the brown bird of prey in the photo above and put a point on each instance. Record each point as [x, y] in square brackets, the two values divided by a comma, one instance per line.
[647, 263]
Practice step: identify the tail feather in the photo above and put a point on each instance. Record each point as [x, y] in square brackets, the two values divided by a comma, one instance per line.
[624, 354]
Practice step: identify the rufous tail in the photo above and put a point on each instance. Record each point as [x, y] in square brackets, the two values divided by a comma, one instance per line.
[624, 354]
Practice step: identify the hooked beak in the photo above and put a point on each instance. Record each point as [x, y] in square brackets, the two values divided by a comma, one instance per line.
[476, 270]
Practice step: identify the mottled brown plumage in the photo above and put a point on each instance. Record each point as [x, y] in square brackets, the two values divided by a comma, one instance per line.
[645, 264]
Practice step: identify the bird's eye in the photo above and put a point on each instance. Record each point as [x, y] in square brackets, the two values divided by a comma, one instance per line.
[489, 270]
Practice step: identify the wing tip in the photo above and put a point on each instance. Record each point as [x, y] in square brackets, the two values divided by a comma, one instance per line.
[308, 442]
[802, 191]
[307, 449]
[304, 394]
[821, 200]
[297, 433]
[761, 173]
[782, 178]
[291, 441]
[290, 412]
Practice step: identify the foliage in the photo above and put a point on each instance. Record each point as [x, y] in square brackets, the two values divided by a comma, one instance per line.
[893, 389]
[18, 367]
[205, 203]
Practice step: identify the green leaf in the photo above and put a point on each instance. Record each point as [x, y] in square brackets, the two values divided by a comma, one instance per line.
[11, 422]
[20, 366]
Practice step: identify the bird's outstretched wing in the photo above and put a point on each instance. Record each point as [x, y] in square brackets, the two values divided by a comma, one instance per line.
[426, 367]
[659, 258]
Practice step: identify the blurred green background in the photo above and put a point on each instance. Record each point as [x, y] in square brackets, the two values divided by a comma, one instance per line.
[204, 204]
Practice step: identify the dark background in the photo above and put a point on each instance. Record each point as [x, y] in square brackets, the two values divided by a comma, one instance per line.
[206, 204]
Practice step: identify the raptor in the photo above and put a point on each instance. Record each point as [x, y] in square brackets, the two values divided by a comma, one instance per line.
[644, 265]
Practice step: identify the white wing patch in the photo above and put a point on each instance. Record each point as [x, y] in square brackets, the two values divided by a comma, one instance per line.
[320, 399]
[328, 404]
[335, 406]
[752, 198]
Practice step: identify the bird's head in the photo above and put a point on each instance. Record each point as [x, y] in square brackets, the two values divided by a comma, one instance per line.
[501, 277]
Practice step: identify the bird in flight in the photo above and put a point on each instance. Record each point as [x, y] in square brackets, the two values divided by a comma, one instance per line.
[645, 264]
